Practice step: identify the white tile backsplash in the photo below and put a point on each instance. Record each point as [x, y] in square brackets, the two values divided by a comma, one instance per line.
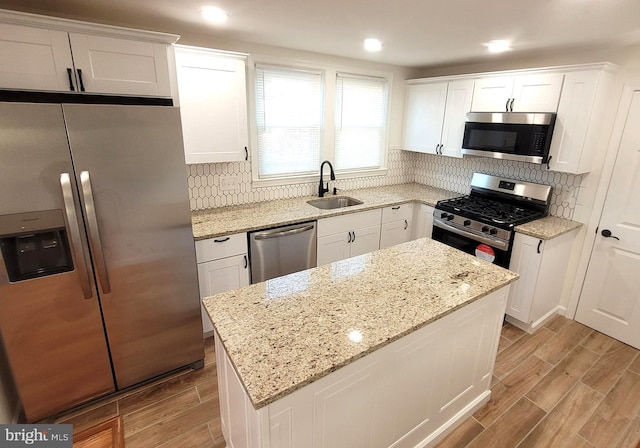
[205, 191]
[404, 167]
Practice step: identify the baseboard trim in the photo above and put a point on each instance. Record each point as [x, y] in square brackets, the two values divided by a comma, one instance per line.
[443, 431]
[534, 326]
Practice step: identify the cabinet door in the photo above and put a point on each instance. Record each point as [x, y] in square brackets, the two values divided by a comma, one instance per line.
[213, 105]
[34, 58]
[223, 275]
[333, 248]
[395, 232]
[459, 95]
[423, 222]
[423, 116]
[219, 276]
[574, 113]
[525, 260]
[492, 94]
[365, 240]
[120, 66]
[537, 93]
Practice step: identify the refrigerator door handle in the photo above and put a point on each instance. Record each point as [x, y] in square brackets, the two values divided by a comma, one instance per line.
[74, 235]
[94, 233]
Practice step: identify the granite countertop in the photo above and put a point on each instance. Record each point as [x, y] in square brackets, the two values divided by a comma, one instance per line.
[247, 217]
[548, 227]
[290, 331]
[213, 223]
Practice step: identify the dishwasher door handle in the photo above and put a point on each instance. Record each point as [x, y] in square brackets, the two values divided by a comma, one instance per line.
[280, 233]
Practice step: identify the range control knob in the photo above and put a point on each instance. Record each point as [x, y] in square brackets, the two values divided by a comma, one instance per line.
[450, 217]
[493, 231]
[444, 215]
[467, 222]
[485, 229]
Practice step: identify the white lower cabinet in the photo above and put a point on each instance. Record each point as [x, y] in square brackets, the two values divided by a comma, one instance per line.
[397, 225]
[542, 265]
[223, 265]
[423, 221]
[348, 236]
[409, 393]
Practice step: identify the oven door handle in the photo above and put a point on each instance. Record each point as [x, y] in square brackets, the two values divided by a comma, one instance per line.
[498, 244]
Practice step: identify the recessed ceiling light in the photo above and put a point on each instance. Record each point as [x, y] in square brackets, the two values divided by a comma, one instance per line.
[214, 14]
[372, 44]
[498, 46]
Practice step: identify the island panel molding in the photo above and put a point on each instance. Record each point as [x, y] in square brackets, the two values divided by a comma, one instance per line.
[410, 393]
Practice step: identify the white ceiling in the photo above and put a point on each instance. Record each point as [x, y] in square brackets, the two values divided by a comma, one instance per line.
[415, 33]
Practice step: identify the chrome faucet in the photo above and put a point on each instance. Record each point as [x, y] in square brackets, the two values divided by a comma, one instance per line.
[321, 189]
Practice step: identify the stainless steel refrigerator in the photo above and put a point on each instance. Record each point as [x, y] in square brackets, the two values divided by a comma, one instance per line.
[98, 279]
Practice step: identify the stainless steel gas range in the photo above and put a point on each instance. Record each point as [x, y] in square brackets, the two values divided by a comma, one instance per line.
[482, 223]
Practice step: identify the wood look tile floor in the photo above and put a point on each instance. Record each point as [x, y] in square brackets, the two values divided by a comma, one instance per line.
[564, 386]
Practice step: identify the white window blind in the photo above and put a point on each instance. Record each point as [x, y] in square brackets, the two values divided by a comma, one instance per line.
[289, 110]
[360, 120]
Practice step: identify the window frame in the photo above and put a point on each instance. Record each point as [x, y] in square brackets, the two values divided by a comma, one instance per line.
[327, 135]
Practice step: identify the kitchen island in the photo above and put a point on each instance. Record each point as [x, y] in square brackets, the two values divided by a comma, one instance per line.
[391, 348]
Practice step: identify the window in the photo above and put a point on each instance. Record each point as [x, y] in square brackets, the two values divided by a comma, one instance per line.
[360, 120]
[289, 112]
[304, 116]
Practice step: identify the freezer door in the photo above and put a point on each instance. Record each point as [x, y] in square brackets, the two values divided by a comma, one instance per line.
[51, 325]
[129, 163]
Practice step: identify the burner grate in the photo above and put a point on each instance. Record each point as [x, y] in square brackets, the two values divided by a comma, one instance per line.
[490, 210]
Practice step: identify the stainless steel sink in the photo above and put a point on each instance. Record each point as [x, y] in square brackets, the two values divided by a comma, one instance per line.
[334, 202]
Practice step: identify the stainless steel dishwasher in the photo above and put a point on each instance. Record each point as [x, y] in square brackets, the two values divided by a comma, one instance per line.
[282, 250]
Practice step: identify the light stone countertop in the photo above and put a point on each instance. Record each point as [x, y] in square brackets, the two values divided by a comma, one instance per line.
[290, 331]
[223, 221]
[213, 223]
[548, 227]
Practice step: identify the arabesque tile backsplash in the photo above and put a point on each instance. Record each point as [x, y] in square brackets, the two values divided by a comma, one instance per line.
[438, 171]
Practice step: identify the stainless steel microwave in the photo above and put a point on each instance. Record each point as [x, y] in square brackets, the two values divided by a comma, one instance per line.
[513, 135]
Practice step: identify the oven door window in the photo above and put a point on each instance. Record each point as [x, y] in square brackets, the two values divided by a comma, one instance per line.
[472, 247]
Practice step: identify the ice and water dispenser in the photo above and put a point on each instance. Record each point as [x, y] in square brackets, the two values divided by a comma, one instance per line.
[33, 245]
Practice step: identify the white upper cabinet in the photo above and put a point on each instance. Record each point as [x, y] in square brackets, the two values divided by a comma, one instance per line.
[459, 95]
[434, 116]
[213, 104]
[581, 128]
[120, 66]
[45, 54]
[424, 116]
[34, 58]
[522, 93]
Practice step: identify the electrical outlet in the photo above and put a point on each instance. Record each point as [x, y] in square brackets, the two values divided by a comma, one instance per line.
[228, 183]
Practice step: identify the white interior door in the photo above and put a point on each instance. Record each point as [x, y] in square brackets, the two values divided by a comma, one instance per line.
[610, 299]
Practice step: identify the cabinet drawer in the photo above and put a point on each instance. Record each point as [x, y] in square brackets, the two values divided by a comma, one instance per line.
[221, 247]
[397, 213]
[344, 223]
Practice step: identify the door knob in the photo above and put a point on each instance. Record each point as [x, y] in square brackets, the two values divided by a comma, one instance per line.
[607, 234]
